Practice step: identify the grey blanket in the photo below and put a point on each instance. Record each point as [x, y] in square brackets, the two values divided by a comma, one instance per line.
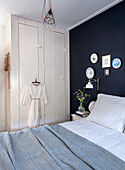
[46, 148]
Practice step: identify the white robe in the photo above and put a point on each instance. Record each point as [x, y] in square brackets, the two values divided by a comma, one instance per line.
[34, 94]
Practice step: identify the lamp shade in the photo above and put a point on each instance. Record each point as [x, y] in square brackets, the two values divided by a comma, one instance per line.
[89, 85]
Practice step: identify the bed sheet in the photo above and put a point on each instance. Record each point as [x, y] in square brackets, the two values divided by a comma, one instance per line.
[109, 139]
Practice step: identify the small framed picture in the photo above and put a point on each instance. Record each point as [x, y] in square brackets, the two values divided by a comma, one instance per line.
[106, 61]
[107, 72]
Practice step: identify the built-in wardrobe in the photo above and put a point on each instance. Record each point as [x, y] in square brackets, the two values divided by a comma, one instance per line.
[43, 53]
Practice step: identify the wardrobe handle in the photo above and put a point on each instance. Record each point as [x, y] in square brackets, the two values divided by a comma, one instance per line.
[62, 77]
[39, 46]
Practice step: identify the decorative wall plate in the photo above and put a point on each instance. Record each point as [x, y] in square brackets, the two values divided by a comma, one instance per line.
[116, 63]
[89, 73]
[94, 58]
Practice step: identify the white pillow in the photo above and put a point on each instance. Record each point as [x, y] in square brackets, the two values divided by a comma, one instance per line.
[91, 106]
[109, 111]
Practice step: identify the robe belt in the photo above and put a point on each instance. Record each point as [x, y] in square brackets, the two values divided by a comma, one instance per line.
[34, 98]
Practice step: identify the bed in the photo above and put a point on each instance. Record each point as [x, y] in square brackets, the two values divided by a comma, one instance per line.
[82, 144]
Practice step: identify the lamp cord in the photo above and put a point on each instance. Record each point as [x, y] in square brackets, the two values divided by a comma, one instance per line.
[50, 4]
[43, 10]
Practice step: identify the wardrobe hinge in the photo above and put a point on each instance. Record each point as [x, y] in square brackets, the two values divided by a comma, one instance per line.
[18, 64]
[43, 65]
[65, 51]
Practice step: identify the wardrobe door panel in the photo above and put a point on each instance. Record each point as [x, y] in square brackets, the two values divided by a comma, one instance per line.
[54, 77]
[28, 65]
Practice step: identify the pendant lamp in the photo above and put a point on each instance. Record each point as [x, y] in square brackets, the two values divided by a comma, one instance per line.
[48, 19]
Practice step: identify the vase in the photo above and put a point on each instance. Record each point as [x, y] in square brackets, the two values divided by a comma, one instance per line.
[81, 108]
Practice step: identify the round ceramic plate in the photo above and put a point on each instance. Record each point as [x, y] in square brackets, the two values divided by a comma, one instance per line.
[89, 73]
[94, 58]
[116, 63]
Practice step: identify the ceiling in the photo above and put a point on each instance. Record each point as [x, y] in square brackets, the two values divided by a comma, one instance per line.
[67, 12]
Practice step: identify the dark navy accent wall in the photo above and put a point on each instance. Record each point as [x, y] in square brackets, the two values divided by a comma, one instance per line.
[104, 34]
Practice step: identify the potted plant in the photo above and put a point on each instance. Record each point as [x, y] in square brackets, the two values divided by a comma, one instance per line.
[81, 96]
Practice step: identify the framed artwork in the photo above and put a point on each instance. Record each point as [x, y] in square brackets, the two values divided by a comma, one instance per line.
[106, 61]
[107, 72]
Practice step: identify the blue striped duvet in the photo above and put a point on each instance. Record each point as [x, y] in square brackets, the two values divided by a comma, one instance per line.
[46, 148]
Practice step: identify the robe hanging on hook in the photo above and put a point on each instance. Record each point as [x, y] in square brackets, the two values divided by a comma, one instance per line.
[48, 20]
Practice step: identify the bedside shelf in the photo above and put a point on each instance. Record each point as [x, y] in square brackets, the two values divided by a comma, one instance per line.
[76, 117]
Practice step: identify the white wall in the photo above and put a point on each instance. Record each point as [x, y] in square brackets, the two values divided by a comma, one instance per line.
[7, 91]
[8, 35]
[5, 47]
[2, 81]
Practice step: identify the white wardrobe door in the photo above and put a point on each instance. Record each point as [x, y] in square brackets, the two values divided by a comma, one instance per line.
[28, 64]
[54, 77]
